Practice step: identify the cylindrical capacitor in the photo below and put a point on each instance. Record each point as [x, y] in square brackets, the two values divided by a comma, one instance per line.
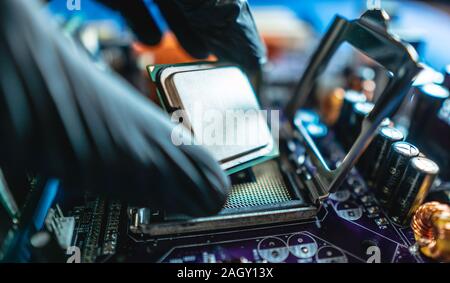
[386, 122]
[429, 99]
[318, 131]
[390, 175]
[376, 153]
[413, 188]
[359, 111]
[306, 116]
[350, 98]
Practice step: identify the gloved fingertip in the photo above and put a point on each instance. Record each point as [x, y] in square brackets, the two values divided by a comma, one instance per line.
[148, 39]
[195, 52]
[145, 30]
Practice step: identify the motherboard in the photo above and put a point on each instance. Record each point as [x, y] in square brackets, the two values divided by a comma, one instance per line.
[350, 226]
[283, 209]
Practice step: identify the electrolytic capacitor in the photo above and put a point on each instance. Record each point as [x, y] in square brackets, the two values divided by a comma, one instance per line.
[359, 111]
[413, 188]
[306, 116]
[386, 122]
[390, 175]
[429, 99]
[318, 131]
[376, 153]
[350, 98]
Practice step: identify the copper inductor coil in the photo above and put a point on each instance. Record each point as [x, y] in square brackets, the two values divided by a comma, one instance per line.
[431, 227]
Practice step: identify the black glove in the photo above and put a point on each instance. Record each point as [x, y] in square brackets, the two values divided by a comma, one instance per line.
[62, 117]
[224, 28]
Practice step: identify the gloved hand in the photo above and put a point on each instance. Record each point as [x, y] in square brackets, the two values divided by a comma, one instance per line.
[61, 117]
[224, 28]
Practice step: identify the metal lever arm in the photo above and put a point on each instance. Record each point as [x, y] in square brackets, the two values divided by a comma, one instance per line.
[369, 35]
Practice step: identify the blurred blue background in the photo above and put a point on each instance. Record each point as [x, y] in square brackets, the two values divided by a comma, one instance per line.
[433, 23]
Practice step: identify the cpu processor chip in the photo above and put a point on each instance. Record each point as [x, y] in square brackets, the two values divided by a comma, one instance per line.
[219, 107]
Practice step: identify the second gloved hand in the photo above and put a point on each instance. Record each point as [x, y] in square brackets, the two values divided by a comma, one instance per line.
[224, 28]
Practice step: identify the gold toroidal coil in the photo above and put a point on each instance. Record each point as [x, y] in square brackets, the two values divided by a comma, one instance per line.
[431, 226]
